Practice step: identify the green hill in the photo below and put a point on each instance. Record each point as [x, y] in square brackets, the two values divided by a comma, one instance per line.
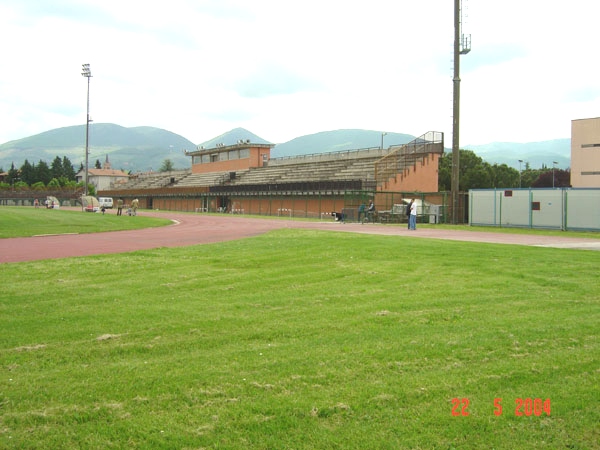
[537, 154]
[145, 148]
[338, 140]
[137, 148]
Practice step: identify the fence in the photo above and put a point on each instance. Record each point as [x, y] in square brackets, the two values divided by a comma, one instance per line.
[309, 200]
[550, 208]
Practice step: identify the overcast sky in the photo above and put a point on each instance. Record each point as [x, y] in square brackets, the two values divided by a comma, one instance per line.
[287, 68]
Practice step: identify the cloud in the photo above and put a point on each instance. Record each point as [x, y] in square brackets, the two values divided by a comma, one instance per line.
[272, 79]
[492, 55]
[582, 94]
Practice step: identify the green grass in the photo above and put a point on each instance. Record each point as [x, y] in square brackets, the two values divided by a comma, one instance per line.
[516, 230]
[22, 222]
[301, 339]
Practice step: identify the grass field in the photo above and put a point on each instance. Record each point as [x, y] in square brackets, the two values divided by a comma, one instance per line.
[303, 340]
[20, 222]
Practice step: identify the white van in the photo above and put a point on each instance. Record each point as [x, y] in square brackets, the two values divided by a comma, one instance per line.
[106, 202]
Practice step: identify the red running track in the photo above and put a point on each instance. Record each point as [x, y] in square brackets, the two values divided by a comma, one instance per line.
[193, 229]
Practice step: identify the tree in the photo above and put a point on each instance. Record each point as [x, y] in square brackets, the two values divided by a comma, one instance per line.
[54, 183]
[28, 174]
[528, 176]
[56, 168]
[474, 173]
[504, 176]
[167, 166]
[553, 178]
[13, 174]
[68, 169]
[98, 165]
[43, 172]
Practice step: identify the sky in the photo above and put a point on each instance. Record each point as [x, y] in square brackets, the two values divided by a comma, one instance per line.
[287, 68]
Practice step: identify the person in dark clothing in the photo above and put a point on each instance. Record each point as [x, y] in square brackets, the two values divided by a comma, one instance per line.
[408, 207]
[371, 211]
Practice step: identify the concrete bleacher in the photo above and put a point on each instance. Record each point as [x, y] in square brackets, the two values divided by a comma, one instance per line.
[372, 166]
[204, 179]
[153, 180]
[309, 170]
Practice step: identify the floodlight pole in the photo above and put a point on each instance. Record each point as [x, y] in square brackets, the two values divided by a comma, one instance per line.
[462, 46]
[554, 163]
[85, 71]
[520, 162]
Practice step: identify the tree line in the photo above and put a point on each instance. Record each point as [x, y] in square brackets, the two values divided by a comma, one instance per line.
[60, 173]
[475, 173]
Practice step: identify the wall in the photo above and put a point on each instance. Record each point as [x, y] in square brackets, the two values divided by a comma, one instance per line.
[255, 159]
[420, 177]
[558, 208]
[585, 153]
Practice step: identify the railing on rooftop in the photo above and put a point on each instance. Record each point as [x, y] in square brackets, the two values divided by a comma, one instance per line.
[404, 156]
[330, 156]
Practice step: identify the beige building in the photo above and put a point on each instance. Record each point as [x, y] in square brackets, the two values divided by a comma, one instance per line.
[105, 178]
[585, 153]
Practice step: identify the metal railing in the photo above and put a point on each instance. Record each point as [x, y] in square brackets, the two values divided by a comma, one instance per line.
[407, 155]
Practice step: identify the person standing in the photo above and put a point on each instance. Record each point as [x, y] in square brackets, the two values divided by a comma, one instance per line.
[371, 211]
[413, 215]
[120, 207]
[408, 213]
[361, 213]
[134, 206]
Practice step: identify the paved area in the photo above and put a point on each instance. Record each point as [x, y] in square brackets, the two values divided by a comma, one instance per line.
[193, 229]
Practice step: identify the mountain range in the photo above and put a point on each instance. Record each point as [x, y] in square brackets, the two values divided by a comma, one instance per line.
[140, 149]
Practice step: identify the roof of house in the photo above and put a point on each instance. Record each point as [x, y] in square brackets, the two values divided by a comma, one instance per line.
[106, 173]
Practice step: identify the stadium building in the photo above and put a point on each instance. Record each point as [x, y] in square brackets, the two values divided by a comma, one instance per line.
[243, 178]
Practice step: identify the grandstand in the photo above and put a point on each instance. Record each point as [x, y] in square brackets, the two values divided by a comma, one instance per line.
[242, 177]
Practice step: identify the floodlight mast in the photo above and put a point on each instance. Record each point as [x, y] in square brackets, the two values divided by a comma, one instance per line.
[86, 72]
[462, 46]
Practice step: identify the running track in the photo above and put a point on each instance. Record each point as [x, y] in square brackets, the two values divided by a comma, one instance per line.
[193, 229]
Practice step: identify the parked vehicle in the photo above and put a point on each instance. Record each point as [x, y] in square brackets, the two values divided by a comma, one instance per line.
[106, 202]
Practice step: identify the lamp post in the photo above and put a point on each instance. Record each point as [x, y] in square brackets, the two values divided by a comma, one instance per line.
[520, 162]
[85, 71]
[382, 135]
[554, 163]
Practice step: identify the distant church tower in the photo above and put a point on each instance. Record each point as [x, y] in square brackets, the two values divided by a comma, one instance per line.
[106, 163]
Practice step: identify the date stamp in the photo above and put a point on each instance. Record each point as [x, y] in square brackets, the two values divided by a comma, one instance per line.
[523, 407]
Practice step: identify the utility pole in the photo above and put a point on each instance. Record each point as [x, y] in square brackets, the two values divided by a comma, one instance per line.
[462, 46]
